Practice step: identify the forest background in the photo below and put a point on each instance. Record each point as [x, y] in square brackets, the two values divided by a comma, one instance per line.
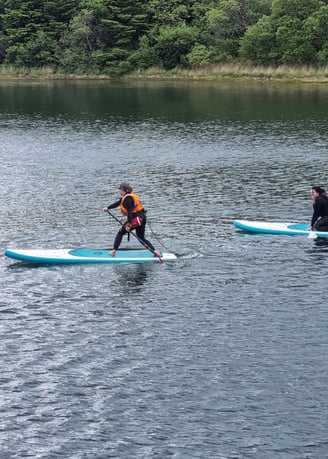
[118, 37]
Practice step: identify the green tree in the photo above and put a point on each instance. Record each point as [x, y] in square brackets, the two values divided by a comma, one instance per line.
[300, 9]
[171, 45]
[295, 33]
[289, 17]
[172, 13]
[227, 21]
[316, 29]
[199, 55]
[75, 47]
[3, 40]
[31, 29]
[104, 33]
[258, 44]
[294, 47]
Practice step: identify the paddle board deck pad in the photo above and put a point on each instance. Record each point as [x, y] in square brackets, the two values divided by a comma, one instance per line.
[84, 255]
[292, 229]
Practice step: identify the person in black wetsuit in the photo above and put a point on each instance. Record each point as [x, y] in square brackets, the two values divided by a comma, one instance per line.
[319, 220]
[131, 207]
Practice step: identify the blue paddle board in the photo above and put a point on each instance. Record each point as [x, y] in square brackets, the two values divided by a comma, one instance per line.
[85, 255]
[291, 229]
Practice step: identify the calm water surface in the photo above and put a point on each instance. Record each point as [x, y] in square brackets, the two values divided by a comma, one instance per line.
[222, 354]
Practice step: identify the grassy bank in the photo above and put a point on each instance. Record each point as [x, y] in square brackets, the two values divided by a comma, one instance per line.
[238, 71]
[209, 72]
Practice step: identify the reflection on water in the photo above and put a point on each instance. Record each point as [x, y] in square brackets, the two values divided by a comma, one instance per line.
[131, 278]
[321, 242]
[168, 102]
[318, 254]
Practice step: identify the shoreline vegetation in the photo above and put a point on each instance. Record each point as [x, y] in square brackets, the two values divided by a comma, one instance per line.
[214, 72]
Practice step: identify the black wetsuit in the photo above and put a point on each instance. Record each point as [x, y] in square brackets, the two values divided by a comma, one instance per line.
[320, 213]
[140, 230]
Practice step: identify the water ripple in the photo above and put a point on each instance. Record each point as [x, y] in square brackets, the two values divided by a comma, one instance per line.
[221, 354]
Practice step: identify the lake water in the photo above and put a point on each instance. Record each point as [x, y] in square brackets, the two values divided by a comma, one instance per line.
[222, 354]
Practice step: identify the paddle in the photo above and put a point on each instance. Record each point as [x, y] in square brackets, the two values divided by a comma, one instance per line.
[140, 240]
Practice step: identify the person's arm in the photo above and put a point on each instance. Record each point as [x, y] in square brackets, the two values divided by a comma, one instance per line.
[112, 206]
[317, 206]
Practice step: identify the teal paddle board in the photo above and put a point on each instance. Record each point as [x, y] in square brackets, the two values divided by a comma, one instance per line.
[291, 229]
[86, 255]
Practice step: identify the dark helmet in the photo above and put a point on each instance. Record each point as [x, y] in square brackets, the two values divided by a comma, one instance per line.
[125, 186]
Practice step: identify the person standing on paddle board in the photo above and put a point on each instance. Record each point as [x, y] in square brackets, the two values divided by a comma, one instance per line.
[131, 207]
[319, 220]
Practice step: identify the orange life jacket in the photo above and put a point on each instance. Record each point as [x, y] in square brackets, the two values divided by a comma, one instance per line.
[137, 206]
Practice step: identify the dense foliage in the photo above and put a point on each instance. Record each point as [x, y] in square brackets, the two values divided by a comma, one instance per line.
[118, 36]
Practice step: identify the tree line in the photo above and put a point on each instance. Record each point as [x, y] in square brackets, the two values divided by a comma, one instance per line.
[116, 37]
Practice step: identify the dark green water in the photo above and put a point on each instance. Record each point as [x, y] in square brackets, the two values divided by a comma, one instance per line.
[167, 101]
[221, 354]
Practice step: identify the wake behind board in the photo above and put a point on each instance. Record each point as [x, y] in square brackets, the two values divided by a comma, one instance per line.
[291, 229]
[85, 255]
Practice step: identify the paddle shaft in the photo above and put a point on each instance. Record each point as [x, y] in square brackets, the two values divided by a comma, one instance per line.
[133, 234]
